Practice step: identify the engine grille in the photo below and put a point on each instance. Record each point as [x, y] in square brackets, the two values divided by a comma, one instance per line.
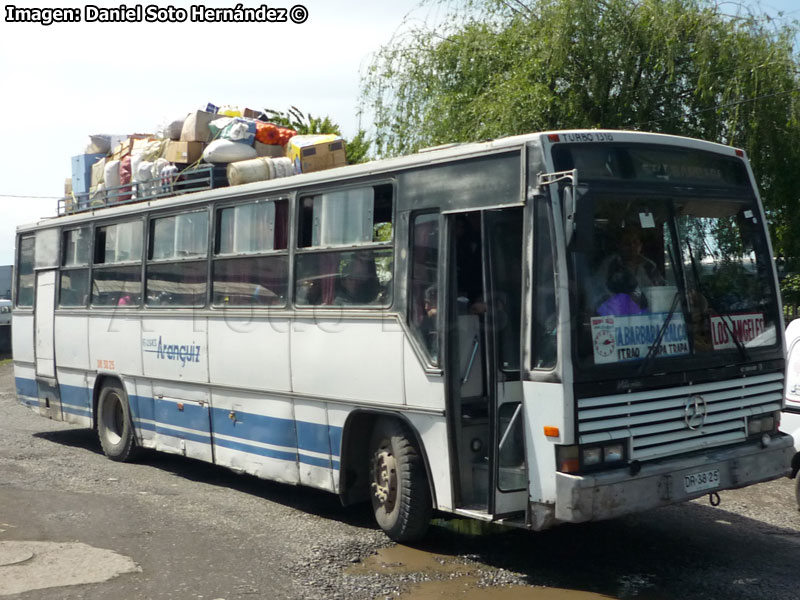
[654, 422]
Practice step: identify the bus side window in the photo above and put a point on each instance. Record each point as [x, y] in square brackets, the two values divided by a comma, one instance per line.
[423, 306]
[176, 267]
[117, 272]
[545, 313]
[25, 276]
[74, 279]
[251, 263]
[360, 219]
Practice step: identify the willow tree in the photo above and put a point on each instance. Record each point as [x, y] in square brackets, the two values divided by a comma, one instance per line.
[493, 68]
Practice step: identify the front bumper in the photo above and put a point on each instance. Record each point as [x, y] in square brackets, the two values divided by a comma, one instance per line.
[615, 493]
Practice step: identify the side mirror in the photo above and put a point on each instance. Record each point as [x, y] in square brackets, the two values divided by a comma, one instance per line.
[569, 214]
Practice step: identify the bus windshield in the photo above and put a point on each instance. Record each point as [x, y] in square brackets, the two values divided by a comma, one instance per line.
[670, 259]
[672, 276]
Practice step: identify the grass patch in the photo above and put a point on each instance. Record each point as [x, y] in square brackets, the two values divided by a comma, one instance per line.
[4, 361]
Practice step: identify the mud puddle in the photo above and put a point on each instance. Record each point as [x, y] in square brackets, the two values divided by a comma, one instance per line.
[442, 577]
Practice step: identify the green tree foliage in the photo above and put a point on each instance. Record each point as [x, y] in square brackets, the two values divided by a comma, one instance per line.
[356, 148]
[501, 67]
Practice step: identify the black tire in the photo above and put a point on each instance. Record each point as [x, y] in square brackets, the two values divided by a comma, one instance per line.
[399, 490]
[797, 490]
[114, 424]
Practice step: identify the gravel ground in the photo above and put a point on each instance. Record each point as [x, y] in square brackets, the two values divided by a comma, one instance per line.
[199, 531]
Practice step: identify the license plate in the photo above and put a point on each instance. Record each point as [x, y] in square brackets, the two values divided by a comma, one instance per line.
[704, 480]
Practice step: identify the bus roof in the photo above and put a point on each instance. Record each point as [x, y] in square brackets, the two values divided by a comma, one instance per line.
[424, 157]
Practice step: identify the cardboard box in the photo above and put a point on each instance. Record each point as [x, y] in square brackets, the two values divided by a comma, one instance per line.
[259, 115]
[126, 147]
[82, 171]
[195, 127]
[310, 153]
[184, 152]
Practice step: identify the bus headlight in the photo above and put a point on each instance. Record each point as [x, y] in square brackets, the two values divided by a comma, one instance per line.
[573, 459]
[592, 456]
[567, 459]
[613, 453]
[762, 424]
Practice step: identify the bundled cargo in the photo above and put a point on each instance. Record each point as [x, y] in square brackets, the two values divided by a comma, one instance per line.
[259, 169]
[311, 153]
[195, 127]
[271, 134]
[218, 146]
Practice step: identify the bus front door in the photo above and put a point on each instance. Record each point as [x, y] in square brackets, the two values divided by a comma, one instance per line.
[483, 368]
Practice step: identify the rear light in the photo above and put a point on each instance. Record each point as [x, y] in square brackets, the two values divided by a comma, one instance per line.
[553, 137]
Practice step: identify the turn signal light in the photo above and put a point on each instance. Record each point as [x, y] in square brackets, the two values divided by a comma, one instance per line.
[550, 431]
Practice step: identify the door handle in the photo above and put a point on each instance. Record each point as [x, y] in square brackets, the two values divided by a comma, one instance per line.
[475, 343]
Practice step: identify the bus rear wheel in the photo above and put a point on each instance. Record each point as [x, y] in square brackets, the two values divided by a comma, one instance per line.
[401, 499]
[114, 424]
[797, 490]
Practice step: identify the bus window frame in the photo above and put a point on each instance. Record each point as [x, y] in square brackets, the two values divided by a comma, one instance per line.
[296, 250]
[17, 273]
[419, 346]
[87, 267]
[142, 219]
[213, 256]
[147, 242]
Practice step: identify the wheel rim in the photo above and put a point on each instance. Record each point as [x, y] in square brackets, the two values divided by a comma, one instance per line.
[113, 418]
[384, 486]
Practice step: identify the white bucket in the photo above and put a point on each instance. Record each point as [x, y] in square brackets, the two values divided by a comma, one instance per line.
[659, 298]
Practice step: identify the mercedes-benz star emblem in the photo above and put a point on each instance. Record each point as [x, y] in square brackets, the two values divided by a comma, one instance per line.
[695, 411]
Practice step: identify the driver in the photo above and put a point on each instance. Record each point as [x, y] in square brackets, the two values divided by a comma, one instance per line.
[627, 272]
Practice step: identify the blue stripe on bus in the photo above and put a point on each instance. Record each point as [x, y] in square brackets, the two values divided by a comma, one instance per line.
[26, 387]
[180, 414]
[247, 428]
[27, 401]
[250, 449]
[315, 438]
[75, 400]
[255, 428]
[191, 436]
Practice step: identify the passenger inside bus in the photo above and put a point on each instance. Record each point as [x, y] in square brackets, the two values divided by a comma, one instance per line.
[623, 276]
[358, 283]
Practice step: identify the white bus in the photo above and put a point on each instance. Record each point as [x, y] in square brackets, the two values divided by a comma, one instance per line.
[555, 327]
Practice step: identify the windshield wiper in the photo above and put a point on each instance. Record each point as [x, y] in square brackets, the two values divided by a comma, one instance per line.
[736, 340]
[651, 354]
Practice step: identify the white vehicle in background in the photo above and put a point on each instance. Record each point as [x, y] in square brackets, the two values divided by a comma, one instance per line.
[5, 313]
[790, 421]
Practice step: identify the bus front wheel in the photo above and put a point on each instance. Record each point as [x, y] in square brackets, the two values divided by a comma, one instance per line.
[114, 425]
[401, 499]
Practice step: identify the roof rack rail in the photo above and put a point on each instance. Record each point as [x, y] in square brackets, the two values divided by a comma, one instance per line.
[195, 179]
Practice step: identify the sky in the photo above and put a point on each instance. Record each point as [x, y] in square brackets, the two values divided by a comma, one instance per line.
[66, 81]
